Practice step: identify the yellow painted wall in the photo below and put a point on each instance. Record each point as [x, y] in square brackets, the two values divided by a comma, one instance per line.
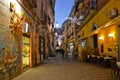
[101, 19]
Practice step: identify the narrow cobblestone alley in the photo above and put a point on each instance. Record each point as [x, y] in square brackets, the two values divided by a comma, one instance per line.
[66, 69]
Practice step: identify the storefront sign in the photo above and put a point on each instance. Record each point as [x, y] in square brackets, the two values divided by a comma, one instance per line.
[25, 28]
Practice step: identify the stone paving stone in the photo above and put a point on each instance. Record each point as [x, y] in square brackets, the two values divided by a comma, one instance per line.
[66, 69]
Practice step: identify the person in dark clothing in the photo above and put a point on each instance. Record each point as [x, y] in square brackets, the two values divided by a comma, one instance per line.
[62, 51]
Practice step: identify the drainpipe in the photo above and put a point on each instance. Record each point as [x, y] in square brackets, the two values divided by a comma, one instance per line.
[118, 42]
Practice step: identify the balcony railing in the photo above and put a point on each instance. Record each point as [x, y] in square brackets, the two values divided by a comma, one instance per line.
[101, 4]
[30, 3]
[87, 19]
[77, 4]
[68, 36]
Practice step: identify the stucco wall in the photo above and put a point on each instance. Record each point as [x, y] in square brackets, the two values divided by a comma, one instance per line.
[9, 52]
[100, 19]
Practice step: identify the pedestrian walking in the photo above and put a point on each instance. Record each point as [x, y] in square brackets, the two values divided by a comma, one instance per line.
[63, 52]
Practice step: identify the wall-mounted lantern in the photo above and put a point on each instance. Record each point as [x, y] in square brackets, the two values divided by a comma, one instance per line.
[101, 38]
[111, 35]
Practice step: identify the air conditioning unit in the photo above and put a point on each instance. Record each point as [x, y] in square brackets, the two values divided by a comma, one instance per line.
[25, 28]
[112, 13]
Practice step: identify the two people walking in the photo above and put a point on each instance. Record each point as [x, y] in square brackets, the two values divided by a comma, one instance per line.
[60, 51]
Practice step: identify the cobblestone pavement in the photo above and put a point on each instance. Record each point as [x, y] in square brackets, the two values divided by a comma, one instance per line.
[66, 69]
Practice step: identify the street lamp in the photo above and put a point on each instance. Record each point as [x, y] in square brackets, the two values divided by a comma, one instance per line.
[56, 24]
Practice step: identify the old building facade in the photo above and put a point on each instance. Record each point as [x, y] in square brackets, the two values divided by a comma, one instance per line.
[96, 27]
[100, 27]
[25, 25]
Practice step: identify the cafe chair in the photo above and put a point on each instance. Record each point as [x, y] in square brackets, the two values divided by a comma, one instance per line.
[114, 69]
[101, 62]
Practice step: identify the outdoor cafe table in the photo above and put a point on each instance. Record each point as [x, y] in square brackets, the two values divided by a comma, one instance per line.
[108, 58]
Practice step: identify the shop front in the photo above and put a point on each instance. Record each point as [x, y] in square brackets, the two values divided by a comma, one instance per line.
[42, 47]
[71, 49]
[108, 41]
[18, 45]
[27, 56]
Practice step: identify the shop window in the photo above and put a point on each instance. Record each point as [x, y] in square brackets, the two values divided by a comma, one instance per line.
[83, 43]
[25, 52]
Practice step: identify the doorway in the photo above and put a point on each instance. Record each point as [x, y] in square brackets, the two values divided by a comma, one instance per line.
[95, 41]
[25, 52]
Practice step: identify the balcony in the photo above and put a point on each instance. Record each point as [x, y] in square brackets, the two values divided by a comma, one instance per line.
[30, 3]
[78, 5]
[89, 16]
[101, 3]
[68, 36]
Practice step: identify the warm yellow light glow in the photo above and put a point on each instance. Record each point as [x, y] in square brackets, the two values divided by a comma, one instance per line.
[108, 24]
[16, 6]
[111, 35]
[101, 38]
